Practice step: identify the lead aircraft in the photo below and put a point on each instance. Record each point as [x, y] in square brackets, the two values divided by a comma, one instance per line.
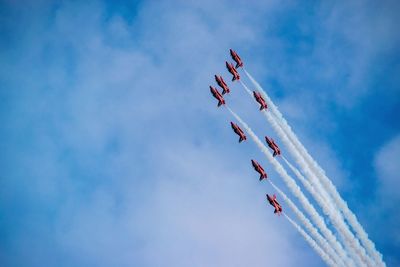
[236, 58]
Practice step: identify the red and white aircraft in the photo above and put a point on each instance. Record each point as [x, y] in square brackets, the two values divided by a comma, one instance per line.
[259, 169]
[238, 131]
[218, 96]
[260, 100]
[233, 71]
[222, 84]
[236, 58]
[273, 146]
[272, 200]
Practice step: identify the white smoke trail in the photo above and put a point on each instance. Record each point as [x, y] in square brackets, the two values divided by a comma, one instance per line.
[303, 180]
[312, 243]
[295, 189]
[298, 174]
[322, 178]
[350, 242]
[319, 189]
[247, 89]
[310, 228]
[315, 183]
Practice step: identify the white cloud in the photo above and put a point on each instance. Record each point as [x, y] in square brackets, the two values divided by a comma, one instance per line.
[159, 199]
[385, 208]
[387, 165]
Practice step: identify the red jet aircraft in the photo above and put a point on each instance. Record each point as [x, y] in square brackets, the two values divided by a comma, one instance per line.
[275, 204]
[222, 84]
[238, 131]
[260, 100]
[259, 169]
[273, 146]
[233, 71]
[218, 96]
[236, 58]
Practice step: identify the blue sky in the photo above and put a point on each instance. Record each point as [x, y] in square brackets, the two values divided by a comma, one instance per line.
[114, 153]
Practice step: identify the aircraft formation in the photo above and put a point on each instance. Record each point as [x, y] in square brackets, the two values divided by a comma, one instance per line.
[235, 127]
[349, 245]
